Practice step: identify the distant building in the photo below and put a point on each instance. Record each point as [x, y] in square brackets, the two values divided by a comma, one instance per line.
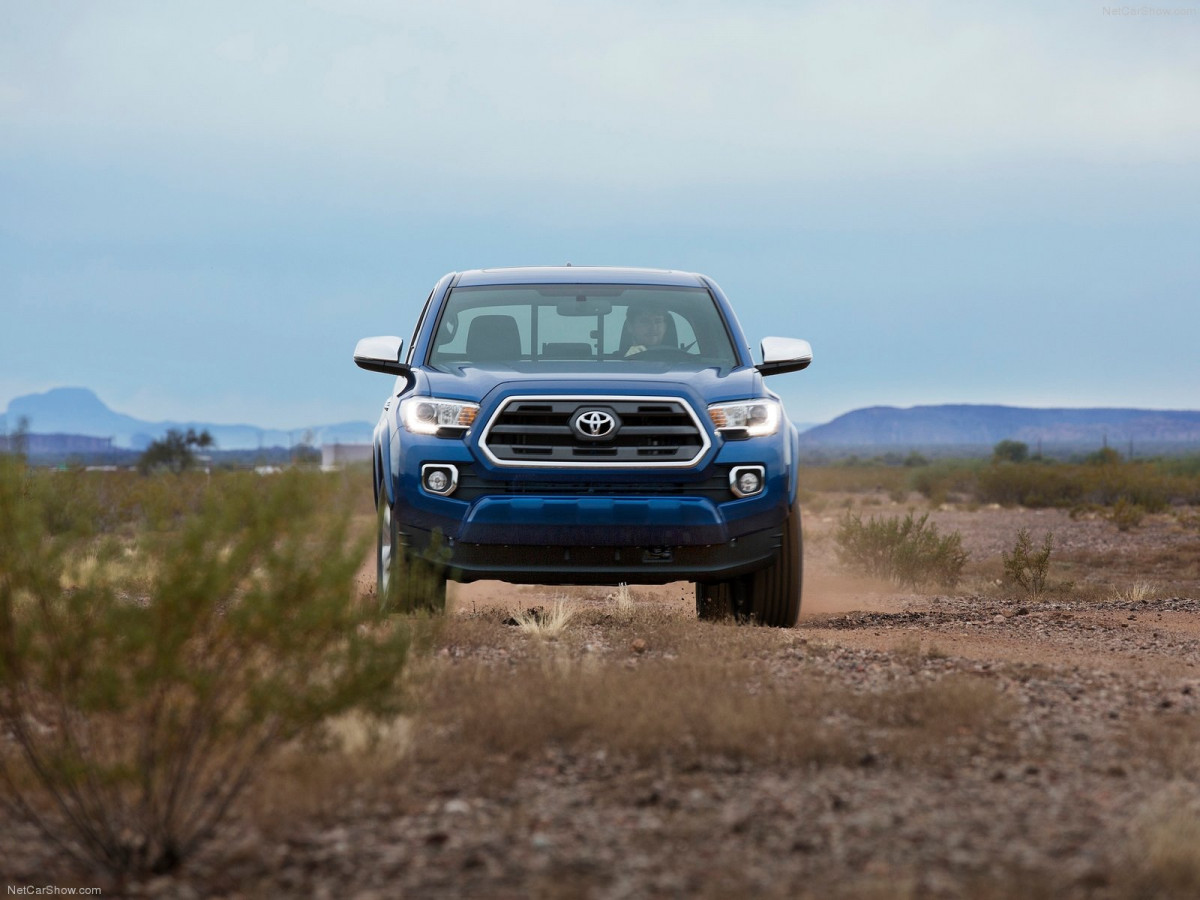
[58, 444]
[335, 456]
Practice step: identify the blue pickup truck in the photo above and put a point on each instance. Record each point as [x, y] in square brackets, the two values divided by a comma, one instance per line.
[576, 425]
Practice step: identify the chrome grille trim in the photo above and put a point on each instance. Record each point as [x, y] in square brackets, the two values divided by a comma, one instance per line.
[596, 455]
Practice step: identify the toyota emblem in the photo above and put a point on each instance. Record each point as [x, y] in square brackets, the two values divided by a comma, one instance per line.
[595, 423]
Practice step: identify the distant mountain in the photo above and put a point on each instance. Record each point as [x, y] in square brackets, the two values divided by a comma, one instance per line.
[984, 426]
[79, 411]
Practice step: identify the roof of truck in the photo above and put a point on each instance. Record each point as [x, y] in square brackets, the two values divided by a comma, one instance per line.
[579, 275]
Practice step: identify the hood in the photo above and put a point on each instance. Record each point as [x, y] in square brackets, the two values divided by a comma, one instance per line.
[711, 385]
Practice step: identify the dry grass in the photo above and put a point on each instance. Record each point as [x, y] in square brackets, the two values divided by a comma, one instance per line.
[1137, 592]
[913, 651]
[694, 707]
[545, 623]
[660, 708]
[1163, 859]
[124, 562]
[862, 479]
[622, 600]
[317, 780]
[1166, 742]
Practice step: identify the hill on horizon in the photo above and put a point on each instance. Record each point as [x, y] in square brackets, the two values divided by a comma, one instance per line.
[78, 411]
[968, 425]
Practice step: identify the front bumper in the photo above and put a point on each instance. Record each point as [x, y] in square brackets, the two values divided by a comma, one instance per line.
[607, 561]
[702, 532]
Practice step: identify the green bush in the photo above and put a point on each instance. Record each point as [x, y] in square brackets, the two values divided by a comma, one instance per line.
[856, 477]
[1026, 568]
[78, 503]
[1105, 456]
[937, 481]
[136, 717]
[1136, 484]
[1030, 484]
[908, 551]
[1010, 451]
[1104, 480]
[173, 452]
[1125, 515]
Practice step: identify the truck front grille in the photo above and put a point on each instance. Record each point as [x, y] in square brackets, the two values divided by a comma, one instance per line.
[647, 431]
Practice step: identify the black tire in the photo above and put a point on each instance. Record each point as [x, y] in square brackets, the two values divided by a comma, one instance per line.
[387, 542]
[716, 602]
[775, 591]
[770, 596]
[403, 582]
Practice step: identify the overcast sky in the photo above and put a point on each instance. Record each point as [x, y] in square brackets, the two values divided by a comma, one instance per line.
[204, 205]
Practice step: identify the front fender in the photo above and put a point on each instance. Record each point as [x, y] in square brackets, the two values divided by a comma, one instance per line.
[792, 461]
[387, 456]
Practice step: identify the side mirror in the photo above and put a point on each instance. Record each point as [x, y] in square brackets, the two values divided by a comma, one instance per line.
[380, 354]
[781, 355]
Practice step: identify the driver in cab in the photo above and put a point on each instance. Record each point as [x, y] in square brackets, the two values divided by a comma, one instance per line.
[646, 326]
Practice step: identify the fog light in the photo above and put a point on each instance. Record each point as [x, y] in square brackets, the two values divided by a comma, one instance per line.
[744, 481]
[439, 479]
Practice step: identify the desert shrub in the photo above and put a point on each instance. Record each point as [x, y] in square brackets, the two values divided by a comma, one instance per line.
[78, 503]
[1010, 451]
[1042, 485]
[173, 452]
[1011, 484]
[1188, 466]
[938, 481]
[1125, 515]
[1134, 483]
[1026, 568]
[135, 720]
[855, 478]
[908, 551]
[1034, 482]
[1182, 478]
[1105, 456]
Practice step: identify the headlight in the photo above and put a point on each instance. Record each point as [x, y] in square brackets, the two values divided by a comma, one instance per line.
[427, 415]
[755, 417]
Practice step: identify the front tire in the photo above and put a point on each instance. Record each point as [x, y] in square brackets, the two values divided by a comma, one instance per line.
[403, 582]
[770, 596]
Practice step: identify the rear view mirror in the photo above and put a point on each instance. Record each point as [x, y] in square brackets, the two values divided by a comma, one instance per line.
[781, 355]
[380, 354]
[584, 306]
[574, 290]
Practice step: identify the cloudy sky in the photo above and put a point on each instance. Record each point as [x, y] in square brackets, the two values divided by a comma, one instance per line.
[204, 205]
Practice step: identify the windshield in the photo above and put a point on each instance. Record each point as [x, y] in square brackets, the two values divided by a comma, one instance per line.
[587, 324]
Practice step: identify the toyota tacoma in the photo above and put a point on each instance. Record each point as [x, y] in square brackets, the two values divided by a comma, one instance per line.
[576, 425]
